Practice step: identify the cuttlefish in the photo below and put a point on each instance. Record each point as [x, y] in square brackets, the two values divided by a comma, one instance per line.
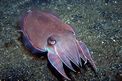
[43, 31]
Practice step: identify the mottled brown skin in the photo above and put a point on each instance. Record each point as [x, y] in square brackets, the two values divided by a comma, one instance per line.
[44, 31]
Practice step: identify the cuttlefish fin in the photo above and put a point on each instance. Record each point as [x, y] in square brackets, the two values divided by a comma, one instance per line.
[86, 53]
[57, 64]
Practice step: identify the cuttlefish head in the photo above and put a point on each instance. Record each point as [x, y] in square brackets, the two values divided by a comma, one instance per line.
[64, 49]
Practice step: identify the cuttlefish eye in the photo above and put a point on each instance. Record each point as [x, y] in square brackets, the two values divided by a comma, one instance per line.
[51, 41]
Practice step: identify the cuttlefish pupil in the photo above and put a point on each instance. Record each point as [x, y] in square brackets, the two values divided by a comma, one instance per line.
[51, 41]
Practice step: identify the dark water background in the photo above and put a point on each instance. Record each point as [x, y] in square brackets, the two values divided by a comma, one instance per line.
[97, 22]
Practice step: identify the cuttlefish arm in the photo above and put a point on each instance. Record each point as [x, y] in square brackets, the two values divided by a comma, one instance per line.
[57, 63]
[66, 49]
[86, 54]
